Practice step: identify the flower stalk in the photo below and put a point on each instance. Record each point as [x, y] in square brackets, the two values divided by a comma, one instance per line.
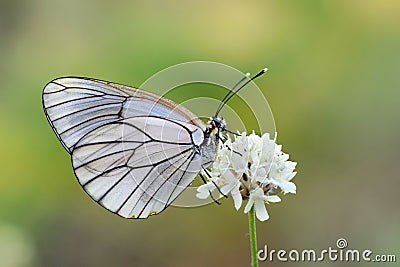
[253, 237]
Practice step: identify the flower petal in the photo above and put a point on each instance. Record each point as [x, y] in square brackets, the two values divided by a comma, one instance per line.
[288, 187]
[205, 190]
[261, 210]
[273, 199]
[237, 199]
[248, 205]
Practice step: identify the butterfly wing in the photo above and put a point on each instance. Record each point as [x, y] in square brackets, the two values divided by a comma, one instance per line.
[132, 151]
[75, 106]
[136, 167]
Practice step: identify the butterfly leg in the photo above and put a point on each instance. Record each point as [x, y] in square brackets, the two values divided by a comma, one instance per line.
[209, 176]
[212, 197]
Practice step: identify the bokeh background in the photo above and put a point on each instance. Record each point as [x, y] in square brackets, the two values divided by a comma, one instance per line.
[333, 87]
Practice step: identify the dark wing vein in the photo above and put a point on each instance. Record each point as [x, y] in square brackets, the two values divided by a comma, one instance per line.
[189, 158]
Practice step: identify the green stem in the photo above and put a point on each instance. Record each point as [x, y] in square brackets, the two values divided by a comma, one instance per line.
[253, 237]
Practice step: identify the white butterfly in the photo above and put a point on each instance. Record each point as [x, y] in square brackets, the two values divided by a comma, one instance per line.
[132, 151]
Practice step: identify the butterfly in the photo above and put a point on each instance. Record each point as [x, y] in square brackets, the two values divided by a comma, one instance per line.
[132, 151]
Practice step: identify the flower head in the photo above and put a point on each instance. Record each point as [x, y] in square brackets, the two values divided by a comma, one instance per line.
[251, 168]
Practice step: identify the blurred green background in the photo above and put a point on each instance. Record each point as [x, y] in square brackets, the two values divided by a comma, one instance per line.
[333, 87]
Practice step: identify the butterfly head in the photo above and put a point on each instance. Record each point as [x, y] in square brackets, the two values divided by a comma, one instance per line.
[215, 125]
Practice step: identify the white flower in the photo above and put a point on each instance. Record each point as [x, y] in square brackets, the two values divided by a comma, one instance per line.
[251, 168]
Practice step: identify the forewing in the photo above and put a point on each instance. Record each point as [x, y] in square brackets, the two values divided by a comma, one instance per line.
[136, 167]
[76, 106]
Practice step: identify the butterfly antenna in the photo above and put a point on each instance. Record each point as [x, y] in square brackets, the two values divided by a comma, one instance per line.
[227, 98]
[231, 92]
